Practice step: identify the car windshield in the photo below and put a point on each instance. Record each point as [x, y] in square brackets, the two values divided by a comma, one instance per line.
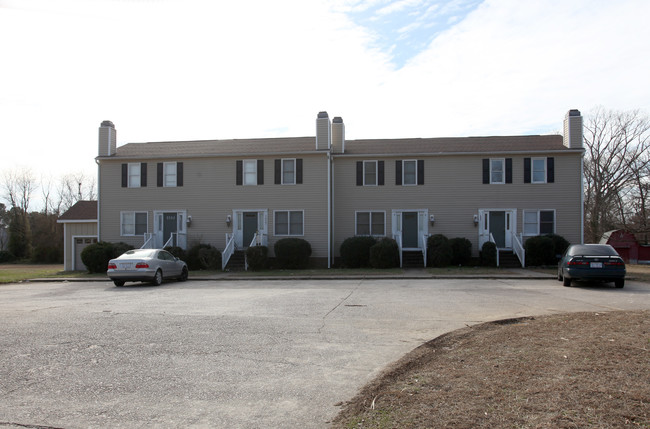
[593, 250]
[138, 253]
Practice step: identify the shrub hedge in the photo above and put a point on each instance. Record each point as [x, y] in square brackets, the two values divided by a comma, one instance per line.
[439, 251]
[292, 253]
[257, 257]
[6, 256]
[96, 256]
[355, 251]
[193, 259]
[461, 251]
[489, 254]
[179, 252]
[209, 258]
[560, 244]
[384, 254]
[540, 250]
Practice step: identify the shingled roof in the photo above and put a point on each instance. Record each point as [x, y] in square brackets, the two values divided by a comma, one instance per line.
[305, 145]
[81, 210]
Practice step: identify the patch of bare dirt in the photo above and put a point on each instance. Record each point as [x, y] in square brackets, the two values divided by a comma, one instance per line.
[579, 370]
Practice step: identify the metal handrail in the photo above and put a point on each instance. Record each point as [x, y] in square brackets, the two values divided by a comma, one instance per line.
[228, 250]
[398, 237]
[519, 250]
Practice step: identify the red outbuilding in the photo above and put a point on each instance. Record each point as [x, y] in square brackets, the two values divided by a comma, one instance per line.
[627, 246]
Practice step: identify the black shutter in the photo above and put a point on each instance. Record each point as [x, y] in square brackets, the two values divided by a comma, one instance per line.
[299, 171]
[486, 170]
[420, 172]
[359, 173]
[239, 172]
[278, 171]
[380, 173]
[260, 171]
[143, 174]
[526, 170]
[160, 174]
[179, 174]
[398, 173]
[125, 175]
[550, 170]
[508, 170]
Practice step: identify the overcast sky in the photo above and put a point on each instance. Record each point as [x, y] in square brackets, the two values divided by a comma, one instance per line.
[197, 69]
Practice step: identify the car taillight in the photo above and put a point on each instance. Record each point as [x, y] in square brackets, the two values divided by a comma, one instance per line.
[615, 263]
[142, 265]
[112, 267]
[577, 262]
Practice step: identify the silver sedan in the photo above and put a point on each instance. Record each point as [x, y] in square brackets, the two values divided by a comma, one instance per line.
[151, 265]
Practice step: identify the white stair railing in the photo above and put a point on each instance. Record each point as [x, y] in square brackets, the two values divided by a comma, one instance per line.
[228, 250]
[423, 244]
[398, 237]
[519, 250]
[492, 240]
[148, 241]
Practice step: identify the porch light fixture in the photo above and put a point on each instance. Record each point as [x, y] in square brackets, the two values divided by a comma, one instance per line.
[432, 219]
[189, 220]
[475, 219]
[228, 220]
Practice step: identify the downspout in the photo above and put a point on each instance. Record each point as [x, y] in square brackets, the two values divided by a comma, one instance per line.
[329, 208]
[582, 199]
[99, 200]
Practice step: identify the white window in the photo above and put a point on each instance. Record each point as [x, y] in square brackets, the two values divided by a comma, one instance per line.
[133, 223]
[539, 222]
[538, 170]
[288, 171]
[497, 174]
[409, 172]
[371, 223]
[250, 172]
[169, 174]
[369, 173]
[134, 174]
[289, 222]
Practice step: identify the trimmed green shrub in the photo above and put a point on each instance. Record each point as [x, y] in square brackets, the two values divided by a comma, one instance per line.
[210, 258]
[96, 256]
[560, 244]
[384, 254]
[355, 251]
[179, 252]
[257, 257]
[193, 260]
[439, 251]
[120, 248]
[6, 256]
[461, 251]
[489, 254]
[292, 253]
[540, 250]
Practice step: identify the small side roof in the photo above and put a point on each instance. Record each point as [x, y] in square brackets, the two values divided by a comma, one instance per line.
[81, 210]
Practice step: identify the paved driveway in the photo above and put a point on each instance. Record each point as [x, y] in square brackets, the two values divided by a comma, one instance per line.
[237, 353]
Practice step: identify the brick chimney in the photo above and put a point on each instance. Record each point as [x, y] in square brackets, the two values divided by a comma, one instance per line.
[107, 139]
[573, 129]
[323, 133]
[338, 135]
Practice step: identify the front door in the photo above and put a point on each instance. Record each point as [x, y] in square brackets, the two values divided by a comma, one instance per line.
[409, 229]
[250, 227]
[498, 228]
[170, 225]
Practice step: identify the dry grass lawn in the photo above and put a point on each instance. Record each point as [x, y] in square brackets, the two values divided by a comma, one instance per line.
[581, 370]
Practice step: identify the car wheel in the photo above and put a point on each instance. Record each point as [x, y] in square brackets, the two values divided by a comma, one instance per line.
[566, 281]
[118, 283]
[559, 275]
[184, 275]
[619, 283]
[157, 278]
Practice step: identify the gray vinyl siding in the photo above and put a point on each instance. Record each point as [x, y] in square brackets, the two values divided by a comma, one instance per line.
[453, 192]
[209, 194]
[75, 229]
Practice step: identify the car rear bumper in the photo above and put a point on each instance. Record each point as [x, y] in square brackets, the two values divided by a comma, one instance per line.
[593, 274]
[139, 275]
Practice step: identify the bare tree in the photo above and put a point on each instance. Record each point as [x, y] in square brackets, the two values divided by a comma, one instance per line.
[19, 187]
[617, 148]
[75, 187]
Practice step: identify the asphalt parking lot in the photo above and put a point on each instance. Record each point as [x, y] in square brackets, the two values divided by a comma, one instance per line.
[238, 353]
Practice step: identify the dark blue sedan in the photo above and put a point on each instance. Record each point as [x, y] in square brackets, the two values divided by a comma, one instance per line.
[591, 262]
